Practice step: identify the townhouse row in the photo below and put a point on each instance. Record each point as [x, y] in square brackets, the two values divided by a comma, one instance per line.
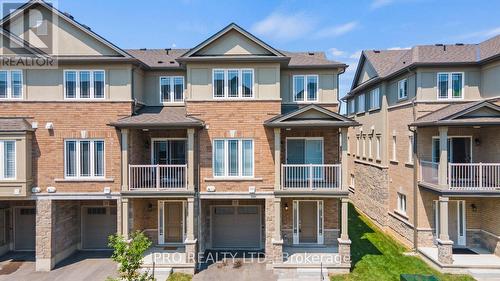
[231, 144]
[425, 162]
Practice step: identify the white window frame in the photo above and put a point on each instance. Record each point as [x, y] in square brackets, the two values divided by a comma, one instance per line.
[405, 89]
[2, 160]
[378, 141]
[402, 203]
[361, 105]
[226, 83]
[9, 84]
[77, 87]
[172, 90]
[306, 94]
[410, 149]
[364, 146]
[375, 100]
[450, 85]
[370, 150]
[78, 160]
[394, 149]
[352, 106]
[357, 145]
[353, 181]
[240, 158]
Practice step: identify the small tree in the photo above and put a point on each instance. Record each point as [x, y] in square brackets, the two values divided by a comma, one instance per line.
[129, 253]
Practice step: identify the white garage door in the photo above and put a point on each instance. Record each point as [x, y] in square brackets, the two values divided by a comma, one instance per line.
[97, 224]
[24, 229]
[236, 227]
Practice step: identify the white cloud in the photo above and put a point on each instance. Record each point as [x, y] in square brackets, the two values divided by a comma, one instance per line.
[399, 48]
[284, 27]
[380, 3]
[334, 31]
[336, 52]
[355, 55]
[481, 34]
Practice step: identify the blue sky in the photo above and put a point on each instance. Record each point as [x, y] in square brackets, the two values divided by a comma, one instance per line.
[340, 28]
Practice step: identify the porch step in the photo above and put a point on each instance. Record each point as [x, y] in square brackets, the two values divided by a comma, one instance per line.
[485, 274]
[161, 273]
[305, 274]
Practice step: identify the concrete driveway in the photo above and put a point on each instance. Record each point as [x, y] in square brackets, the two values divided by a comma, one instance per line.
[78, 267]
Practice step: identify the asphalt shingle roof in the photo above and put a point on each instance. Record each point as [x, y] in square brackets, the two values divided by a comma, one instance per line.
[14, 125]
[161, 58]
[159, 116]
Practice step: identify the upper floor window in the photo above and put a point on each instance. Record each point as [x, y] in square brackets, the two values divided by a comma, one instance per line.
[7, 159]
[361, 103]
[403, 89]
[352, 106]
[233, 158]
[375, 99]
[171, 89]
[378, 144]
[450, 85]
[83, 158]
[84, 84]
[233, 83]
[11, 84]
[305, 87]
[410, 149]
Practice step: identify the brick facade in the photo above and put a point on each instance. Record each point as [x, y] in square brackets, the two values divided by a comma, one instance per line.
[247, 120]
[70, 119]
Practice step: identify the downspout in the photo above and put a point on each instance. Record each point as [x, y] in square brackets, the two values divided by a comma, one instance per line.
[415, 168]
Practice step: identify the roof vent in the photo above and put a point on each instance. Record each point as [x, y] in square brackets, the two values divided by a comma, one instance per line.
[160, 61]
[376, 51]
[438, 45]
[143, 49]
[459, 44]
[311, 53]
[68, 15]
[172, 62]
[86, 27]
[167, 50]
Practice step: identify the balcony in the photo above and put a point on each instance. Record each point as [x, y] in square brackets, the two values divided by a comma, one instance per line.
[157, 177]
[325, 177]
[463, 176]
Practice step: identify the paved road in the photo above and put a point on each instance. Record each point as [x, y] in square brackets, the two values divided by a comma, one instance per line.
[79, 267]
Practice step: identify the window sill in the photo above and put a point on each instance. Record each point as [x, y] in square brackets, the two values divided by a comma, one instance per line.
[180, 103]
[373, 110]
[395, 162]
[409, 164]
[401, 214]
[85, 180]
[233, 179]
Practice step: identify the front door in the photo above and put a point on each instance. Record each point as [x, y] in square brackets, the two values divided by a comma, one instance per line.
[308, 222]
[171, 219]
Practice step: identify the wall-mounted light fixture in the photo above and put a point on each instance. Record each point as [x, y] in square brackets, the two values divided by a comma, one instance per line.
[286, 207]
[150, 207]
[473, 207]
[477, 141]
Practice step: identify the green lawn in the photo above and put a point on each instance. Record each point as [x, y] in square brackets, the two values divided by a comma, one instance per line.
[376, 256]
[179, 277]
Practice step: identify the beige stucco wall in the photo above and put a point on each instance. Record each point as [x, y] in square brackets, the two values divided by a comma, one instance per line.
[490, 84]
[69, 40]
[151, 86]
[327, 85]
[22, 182]
[48, 84]
[427, 82]
[233, 43]
[392, 89]
[266, 80]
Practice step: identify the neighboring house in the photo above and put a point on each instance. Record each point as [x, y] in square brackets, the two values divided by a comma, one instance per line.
[426, 158]
[229, 145]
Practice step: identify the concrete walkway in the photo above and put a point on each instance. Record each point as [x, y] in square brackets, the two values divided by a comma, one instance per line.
[229, 271]
[79, 267]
